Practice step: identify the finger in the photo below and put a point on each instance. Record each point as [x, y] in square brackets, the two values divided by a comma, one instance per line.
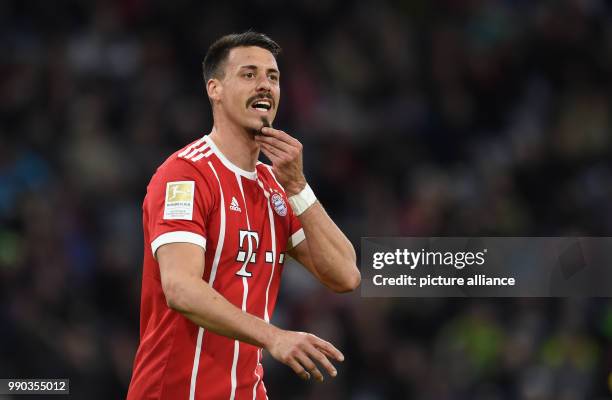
[285, 137]
[329, 349]
[298, 369]
[271, 149]
[310, 366]
[322, 360]
[271, 153]
[277, 143]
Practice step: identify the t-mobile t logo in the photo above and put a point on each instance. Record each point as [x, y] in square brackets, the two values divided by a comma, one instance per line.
[248, 256]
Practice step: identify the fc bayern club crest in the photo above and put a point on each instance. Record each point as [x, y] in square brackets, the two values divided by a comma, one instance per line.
[279, 204]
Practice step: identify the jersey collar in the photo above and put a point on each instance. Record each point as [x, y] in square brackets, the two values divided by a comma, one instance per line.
[252, 175]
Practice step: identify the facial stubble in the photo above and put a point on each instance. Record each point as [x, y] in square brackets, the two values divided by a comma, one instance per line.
[265, 124]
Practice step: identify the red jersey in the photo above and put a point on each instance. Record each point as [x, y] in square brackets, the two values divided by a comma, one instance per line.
[243, 222]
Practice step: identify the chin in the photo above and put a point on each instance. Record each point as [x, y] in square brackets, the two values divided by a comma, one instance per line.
[256, 124]
[252, 128]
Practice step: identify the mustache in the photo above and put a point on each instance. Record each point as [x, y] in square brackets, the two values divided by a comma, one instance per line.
[259, 97]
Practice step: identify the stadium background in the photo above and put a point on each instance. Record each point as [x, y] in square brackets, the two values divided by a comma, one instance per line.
[417, 118]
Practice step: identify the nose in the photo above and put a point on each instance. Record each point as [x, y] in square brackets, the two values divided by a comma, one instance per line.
[263, 84]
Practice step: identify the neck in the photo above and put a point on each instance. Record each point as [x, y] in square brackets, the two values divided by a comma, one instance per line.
[236, 144]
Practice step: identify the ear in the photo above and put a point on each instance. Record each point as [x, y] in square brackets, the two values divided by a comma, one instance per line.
[214, 89]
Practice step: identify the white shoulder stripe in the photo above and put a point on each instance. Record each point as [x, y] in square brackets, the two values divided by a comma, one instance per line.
[205, 153]
[196, 151]
[196, 154]
[198, 157]
[191, 146]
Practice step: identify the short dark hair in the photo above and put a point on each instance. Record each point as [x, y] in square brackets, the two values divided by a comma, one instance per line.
[218, 51]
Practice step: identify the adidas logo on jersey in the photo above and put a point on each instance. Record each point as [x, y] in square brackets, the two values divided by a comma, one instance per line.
[234, 205]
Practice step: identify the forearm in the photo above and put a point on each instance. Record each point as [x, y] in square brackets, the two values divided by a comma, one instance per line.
[207, 308]
[332, 254]
[204, 306]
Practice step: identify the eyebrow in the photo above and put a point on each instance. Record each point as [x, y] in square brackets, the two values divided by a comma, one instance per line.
[255, 67]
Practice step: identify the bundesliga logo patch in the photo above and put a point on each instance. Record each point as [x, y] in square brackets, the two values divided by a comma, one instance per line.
[179, 200]
[279, 204]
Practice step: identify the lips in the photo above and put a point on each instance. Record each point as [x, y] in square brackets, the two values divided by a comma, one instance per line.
[262, 104]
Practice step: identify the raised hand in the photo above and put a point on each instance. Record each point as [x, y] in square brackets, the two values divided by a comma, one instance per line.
[285, 152]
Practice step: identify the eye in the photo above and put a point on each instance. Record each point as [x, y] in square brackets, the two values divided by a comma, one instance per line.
[249, 75]
[273, 77]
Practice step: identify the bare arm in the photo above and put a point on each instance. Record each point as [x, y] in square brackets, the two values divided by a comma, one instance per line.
[326, 252]
[182, 267]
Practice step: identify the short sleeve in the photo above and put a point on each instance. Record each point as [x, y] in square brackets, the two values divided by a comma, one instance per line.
[179, 200]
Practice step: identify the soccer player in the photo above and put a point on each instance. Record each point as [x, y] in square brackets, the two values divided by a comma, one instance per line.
[218, 228]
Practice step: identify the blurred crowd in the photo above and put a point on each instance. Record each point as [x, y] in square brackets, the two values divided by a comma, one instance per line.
[427, 118]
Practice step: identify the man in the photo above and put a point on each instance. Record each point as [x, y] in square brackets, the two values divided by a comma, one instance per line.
[218, 228]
